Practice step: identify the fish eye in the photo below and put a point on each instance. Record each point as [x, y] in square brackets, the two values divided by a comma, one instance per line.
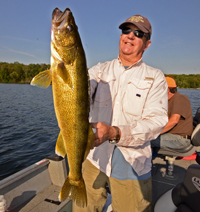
[69, 27]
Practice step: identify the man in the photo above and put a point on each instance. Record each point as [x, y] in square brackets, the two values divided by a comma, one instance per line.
[177, 132]
[128, 110]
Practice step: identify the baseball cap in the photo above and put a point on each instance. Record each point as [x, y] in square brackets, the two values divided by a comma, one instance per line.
[171, 82]
[141, 22]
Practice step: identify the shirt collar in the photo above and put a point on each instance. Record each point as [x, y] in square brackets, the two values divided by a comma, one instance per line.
[140, 60]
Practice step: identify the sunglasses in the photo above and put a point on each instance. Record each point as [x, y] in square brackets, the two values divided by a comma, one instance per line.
[136, 32]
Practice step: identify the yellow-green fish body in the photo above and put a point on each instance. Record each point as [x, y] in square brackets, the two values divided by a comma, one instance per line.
[71, 100]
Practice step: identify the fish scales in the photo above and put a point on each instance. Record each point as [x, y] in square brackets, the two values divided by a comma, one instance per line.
[71, 101]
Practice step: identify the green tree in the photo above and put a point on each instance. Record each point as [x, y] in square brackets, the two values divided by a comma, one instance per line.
[4, 74]
[14, 76]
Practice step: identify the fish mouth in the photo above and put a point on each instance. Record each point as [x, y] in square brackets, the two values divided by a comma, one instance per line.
[63, 29]
[58, 16]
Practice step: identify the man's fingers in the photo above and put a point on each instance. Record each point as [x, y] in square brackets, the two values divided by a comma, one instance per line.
[96, 142]
[96, 136]
[100, 132]
[93, 125]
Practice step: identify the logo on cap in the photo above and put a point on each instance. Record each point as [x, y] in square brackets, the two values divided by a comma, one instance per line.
[136, 18]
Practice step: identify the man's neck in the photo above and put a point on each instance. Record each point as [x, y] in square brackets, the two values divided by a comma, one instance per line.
[128, 61]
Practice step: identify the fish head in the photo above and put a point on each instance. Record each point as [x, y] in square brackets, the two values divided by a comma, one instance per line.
[64, 34]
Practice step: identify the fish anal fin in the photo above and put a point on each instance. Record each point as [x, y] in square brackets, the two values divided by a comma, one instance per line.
[60, 146]
[64, 74]
[43, 79]
[90, 142]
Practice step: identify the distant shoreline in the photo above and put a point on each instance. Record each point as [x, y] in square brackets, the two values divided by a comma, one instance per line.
[28, 83]
[18, 73]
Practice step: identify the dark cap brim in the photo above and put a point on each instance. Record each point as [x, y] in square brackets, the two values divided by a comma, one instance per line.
[136, 24]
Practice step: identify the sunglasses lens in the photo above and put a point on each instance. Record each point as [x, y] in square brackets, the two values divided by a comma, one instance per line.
[138, 33]
[126, 30]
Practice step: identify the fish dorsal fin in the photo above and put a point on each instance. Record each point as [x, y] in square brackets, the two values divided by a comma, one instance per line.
[90, 142]
[43, 79]
[60, 146]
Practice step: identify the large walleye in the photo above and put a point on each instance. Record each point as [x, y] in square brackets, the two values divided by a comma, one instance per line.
[71, 100]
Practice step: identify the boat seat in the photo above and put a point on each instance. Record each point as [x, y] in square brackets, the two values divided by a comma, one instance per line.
[185, 196]
[196, 119]
[172, 154]
[195, 142]
[179, 152]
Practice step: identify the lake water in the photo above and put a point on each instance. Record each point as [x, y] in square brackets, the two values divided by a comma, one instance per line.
[28, 125]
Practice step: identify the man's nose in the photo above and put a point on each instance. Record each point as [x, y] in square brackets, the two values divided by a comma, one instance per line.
[131, 35]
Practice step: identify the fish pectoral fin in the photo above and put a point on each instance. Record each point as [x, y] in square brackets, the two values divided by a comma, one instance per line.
[43, 79]
[64, 74]
[90, 141]
[60, 146]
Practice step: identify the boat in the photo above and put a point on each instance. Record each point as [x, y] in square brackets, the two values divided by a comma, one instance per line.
[36, 188]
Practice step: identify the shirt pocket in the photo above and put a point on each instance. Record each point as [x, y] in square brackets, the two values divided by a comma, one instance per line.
[135, 96]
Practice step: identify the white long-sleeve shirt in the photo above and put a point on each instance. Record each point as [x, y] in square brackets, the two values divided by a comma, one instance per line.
[135, 100]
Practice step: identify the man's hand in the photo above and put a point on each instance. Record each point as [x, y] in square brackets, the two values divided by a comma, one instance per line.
[103, 133]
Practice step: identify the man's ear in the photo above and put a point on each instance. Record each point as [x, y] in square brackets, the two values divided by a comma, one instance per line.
[148, 43]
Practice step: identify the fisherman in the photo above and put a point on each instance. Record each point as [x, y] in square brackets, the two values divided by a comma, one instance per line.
[128, 110]
[177, 132]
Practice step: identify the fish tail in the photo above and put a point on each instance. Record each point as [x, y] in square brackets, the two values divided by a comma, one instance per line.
[74, 190]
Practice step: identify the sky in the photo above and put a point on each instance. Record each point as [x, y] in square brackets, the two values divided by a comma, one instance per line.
[175, 48]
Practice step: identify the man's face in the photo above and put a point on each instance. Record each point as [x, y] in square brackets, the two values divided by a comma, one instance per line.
[129, 44]
[170, 94]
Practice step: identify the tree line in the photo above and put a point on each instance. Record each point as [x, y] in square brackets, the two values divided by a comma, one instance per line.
[20, 73]
[186, 81]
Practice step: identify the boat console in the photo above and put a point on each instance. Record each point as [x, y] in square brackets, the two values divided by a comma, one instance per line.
[185, 196]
